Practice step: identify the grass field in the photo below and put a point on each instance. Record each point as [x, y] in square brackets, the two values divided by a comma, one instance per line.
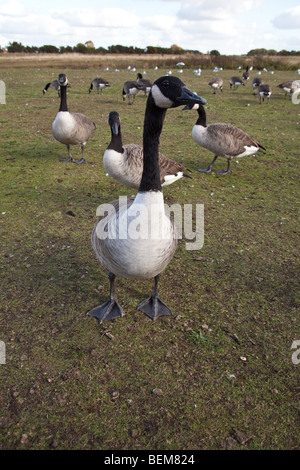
[218, 373]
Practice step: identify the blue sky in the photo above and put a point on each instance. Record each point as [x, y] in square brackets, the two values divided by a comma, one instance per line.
[232, 26]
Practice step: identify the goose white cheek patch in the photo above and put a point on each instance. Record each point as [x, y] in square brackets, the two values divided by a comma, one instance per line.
[160, 100]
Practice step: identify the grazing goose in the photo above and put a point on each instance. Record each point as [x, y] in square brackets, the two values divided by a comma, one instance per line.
[289, 87]
[131, 89]
[144, 252]
[235, 82]
[216, 83]
[264, 91]
[256, 82]
[71, 128]
[99, 84]
[125, 163]
[222, 139]
[147, 84]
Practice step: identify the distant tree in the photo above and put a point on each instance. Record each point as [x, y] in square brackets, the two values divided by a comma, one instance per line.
[16, 47]
[89, 44]
[49, 49]
[176, 49]
[81, 48]
[214, 52]
[64, 49]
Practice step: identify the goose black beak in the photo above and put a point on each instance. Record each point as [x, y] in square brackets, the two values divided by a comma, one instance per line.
[115, 128]
[189, 97]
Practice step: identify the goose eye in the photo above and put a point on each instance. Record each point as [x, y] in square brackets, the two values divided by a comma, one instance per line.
[165, 83]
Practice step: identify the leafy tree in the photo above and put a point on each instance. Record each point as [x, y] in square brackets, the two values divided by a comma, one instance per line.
[49, 49]
[16, 47]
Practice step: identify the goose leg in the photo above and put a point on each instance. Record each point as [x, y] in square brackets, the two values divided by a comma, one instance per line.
[208, 169]
[153, 306]
[110, 309]
[82, 160]
[224, 172]
[70, 158]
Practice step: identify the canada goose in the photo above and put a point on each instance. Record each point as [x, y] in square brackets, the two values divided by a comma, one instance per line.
[224, 140]
[246, 75]
[116, 245]
[147, 84]
[264, 91]
[71, 128]
[255, 83]
[235, 82]
[99, 84]
[131, 89]
[216, 83]
[125, 163]
[54, 85]
[289, 87]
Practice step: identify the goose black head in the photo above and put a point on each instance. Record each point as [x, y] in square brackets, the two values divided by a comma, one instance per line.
[114, 121]
[170, 92]
[62, 79]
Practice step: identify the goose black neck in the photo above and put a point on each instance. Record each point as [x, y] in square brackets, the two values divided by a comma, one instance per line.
[63, 99]
[201, 121]
[116, 141]
[153, 124]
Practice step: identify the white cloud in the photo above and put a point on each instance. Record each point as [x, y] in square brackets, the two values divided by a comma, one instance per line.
[12, 8]
[289, 19]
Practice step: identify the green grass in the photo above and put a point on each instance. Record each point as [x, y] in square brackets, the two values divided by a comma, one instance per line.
[62, 368]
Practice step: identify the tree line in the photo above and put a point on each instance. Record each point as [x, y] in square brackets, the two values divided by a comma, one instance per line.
[89, 48]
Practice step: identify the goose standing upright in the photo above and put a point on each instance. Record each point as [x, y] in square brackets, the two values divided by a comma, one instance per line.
[146, 252]
[71, 128]
[125, 163]
[224, 140]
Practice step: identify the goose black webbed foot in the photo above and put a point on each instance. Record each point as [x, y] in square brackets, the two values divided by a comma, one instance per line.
[153, 306]
[66, 160]
[107, 311]
[82, 160]
[110, 309]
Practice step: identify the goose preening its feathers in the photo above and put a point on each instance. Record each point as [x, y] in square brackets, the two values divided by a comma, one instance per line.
[99, 84]
[147, 84]
[145, 252]
[125, 163]
[71, 128]
[224, 140]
